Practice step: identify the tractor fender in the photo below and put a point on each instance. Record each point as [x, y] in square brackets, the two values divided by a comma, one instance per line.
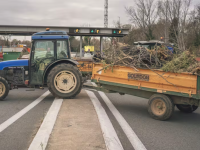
[51, 65]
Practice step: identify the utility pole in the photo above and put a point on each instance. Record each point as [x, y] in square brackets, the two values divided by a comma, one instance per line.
[119, 26]
[166, 20]
[119, 23]
[106, 14]
[10, 39]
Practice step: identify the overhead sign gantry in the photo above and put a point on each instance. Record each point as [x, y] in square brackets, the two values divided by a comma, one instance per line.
[27, 30]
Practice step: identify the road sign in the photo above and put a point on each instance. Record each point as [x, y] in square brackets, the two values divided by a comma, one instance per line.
[95, 31]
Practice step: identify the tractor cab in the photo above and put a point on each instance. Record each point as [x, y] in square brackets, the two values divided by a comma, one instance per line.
[47, 47]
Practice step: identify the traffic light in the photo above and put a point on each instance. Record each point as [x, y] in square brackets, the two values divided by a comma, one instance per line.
[94, 31]
[161, 38]
[74, 30]
[117, 31]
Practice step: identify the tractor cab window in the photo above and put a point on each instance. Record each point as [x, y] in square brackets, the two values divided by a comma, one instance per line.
[62, 49]
[42, 56]
[43, 49]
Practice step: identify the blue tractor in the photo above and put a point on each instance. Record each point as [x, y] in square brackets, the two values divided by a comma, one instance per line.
[49, 64]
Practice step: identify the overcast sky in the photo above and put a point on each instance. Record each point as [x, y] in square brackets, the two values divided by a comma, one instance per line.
[63, 12]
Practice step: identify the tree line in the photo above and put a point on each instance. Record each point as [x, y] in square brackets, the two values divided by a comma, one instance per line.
[4, 41]
[174, 20]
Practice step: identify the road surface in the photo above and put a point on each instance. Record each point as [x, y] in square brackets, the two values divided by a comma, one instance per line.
[181, 132]
[19, 134]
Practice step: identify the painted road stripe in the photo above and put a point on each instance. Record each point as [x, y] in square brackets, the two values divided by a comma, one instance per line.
[94, 84]
[133, 138]
[110, 136]
[11, 120]
[41, 138]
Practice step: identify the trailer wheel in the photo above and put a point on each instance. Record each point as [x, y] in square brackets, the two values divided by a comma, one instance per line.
[65, 81]
[186, 108]
[160, 107]
[4, 88]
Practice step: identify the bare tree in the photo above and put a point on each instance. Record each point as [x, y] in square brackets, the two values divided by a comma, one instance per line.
[143, 15]
[176, 12]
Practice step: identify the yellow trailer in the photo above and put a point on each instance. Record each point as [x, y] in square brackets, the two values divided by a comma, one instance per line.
[163, 89]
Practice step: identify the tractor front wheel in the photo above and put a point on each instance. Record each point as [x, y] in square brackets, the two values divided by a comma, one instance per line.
[65, 81]
[4, 88]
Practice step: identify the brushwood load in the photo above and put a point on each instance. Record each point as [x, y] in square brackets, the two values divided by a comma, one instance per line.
[154, 57]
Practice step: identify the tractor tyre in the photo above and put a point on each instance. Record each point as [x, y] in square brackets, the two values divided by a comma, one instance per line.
[160, 107]
[65, 81]
[4, 88]
[186, 108]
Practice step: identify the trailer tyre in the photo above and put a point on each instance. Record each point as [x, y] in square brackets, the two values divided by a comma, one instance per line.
[4, 88]
[65, 81]
[186, 108]
[160, 107]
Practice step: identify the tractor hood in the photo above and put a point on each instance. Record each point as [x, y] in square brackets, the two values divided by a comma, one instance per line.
[13, 63]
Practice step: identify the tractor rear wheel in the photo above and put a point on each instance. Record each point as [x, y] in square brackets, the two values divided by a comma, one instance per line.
[4, 88]
[65, 81]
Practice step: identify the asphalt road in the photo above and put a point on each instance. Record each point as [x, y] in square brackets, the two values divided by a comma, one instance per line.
[19, 135]
[181, 132]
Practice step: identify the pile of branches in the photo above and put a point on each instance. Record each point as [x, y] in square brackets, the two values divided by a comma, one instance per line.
[137, 57]
[185, 62]
[158, 58]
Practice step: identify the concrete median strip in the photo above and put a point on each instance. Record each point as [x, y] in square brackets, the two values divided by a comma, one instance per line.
[14, 118]
[133, 138]
[43, 134]
[110, 136]
[77, 126]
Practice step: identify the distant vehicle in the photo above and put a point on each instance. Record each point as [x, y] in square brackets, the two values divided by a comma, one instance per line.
[88, 55]
[152, 43]
[21, 45]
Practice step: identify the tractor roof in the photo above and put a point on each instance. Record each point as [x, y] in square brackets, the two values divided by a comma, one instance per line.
[50, 35]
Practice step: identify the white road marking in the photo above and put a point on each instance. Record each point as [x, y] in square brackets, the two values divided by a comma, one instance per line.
[94, 84]
[110, 136]
[11, 120]
[41, 138]
[133, 138]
